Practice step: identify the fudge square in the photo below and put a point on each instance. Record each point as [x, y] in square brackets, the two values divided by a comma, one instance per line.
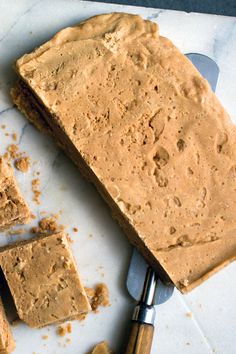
[44, 281]
[7, 344]
[13, 208]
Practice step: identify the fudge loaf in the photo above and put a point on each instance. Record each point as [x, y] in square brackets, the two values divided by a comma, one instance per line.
[43, 279]
[7, 343]
[145, 127]
[13, 208]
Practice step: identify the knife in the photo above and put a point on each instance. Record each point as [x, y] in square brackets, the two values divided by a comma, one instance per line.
[143, 283]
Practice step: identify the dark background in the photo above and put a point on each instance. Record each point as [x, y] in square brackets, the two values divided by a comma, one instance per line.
[219, 7]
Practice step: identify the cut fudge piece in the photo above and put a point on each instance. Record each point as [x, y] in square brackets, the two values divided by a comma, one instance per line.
[43, 280]
[145, 127]
[13, 208]
[101, 348]
[7, 343]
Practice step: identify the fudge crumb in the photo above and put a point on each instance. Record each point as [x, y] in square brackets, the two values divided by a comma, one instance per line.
[69, 328]
[98, 296]
[22, 164]
[75, 229]
[14, 136]
[63, 330]
[35, 189]
[16, 232]
[3, 126]
[189, 314]
[68, 340]
[13, 151]
[47, 226]
[45, 337]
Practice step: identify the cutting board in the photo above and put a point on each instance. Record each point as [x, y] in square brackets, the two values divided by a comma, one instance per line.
[203, 321]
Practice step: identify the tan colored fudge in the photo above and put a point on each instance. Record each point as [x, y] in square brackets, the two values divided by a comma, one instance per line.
[43, 279]
[145, 127]
[7, 343]
[13, 208]
[101, 348]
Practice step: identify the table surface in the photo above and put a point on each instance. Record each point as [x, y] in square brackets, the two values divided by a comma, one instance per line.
[100, 247]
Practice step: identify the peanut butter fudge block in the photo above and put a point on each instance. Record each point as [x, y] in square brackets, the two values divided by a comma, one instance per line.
[7, 344]
[13, 208]
[43, 280]
[101, 348]
[145, 127]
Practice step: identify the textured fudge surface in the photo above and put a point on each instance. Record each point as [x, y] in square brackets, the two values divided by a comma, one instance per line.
[13, 208]
[7, 343]
[101, 348]
[146, 128]
[44, 281]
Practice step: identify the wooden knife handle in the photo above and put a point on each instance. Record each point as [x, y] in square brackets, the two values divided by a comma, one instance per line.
[140, 340]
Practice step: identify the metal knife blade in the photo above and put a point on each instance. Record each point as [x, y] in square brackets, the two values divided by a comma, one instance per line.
[206, 66]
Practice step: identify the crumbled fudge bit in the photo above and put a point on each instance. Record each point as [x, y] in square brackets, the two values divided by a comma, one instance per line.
[45, 260]
[13, 150]
[75, 229]
[13, 208]
[98, 296]
[47, 225]
[189, 314]
[69, 328]
[14, 136]
[22, 164]
[63, 330]
[7, 343]
[3, 126]
[44, 337]
[101, 348]
[35, 189]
